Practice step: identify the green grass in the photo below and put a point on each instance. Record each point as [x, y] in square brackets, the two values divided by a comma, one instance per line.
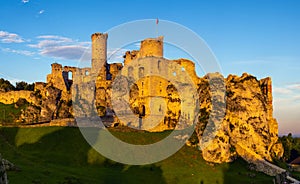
[9, 113]
[61, 155]
[296, 174]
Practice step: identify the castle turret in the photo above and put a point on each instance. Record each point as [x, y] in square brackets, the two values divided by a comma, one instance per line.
[99, 51]
[56, 68]
[152, 47]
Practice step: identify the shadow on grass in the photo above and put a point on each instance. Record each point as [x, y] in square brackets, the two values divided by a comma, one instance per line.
[239, 172]
[62, 157]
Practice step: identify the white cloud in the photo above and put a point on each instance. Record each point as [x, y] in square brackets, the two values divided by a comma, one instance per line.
[137, 45]
[6, 37]
[284, 91]
[25, 1]
[250, 62]
[72, 52]
[295, 86]
[61, 47]
[287, 95]
[116, 55]
[22, 52]
[41, 11]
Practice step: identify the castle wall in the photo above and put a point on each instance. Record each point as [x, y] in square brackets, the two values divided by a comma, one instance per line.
[56, 77]
[114, 69]
[39, 86]
[13, 96]
[153, 95]
[130, 55]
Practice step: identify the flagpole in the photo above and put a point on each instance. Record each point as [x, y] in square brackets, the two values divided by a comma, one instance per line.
[157, 27]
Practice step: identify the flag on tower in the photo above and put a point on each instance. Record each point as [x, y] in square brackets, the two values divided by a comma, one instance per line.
[157, 21]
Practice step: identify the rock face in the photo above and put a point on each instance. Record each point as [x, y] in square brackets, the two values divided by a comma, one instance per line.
[3, 176]
[247, 122]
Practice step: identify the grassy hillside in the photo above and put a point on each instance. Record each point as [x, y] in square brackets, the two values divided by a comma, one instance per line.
[61, 156]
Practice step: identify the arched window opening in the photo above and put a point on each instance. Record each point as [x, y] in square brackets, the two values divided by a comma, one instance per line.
[70, 75]
[141, 72]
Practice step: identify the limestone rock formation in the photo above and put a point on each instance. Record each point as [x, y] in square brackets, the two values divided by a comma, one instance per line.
[247, 122]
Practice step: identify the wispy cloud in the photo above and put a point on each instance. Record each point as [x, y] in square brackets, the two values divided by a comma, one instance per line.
[116, 55]
[283, 91]
[60, 47]
[21, 52]
[72, 52]
[265, 60]
[41, 12]
[257, 61]
[295, 86]
[289, 93]
[6, 37]
[25, 1]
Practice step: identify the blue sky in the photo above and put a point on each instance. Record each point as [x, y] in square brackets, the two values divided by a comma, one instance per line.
[258, 37]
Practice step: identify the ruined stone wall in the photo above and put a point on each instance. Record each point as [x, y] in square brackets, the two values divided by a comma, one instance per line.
[130, 55]
[56, 78]
[189, 67]
[13, 96]
[38, 86]
[153, 94]
[114, 69]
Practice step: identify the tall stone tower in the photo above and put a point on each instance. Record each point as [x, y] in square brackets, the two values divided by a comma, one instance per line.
[152, 47]
[99, 54]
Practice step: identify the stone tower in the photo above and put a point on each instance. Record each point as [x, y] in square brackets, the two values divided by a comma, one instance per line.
[152, 47]
[99, 54]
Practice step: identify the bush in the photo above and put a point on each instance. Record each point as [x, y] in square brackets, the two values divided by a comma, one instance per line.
[21, 102]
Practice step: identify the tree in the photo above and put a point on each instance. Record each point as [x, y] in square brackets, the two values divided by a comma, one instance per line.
[291, 147]
[5, 85]
[24, 86]
[287, 142]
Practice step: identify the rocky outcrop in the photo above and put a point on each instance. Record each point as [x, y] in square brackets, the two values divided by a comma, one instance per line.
[247, 121]
[3, 175]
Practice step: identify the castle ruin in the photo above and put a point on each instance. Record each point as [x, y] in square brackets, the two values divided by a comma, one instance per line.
[152, 86]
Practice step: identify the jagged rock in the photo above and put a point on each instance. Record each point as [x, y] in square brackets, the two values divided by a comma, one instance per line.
[8, 166]
[3, 175]
[248, 120]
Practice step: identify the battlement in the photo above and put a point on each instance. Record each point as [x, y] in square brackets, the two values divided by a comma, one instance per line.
[152, 47]
[56, 67]
[130, 55]
[99, 35]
